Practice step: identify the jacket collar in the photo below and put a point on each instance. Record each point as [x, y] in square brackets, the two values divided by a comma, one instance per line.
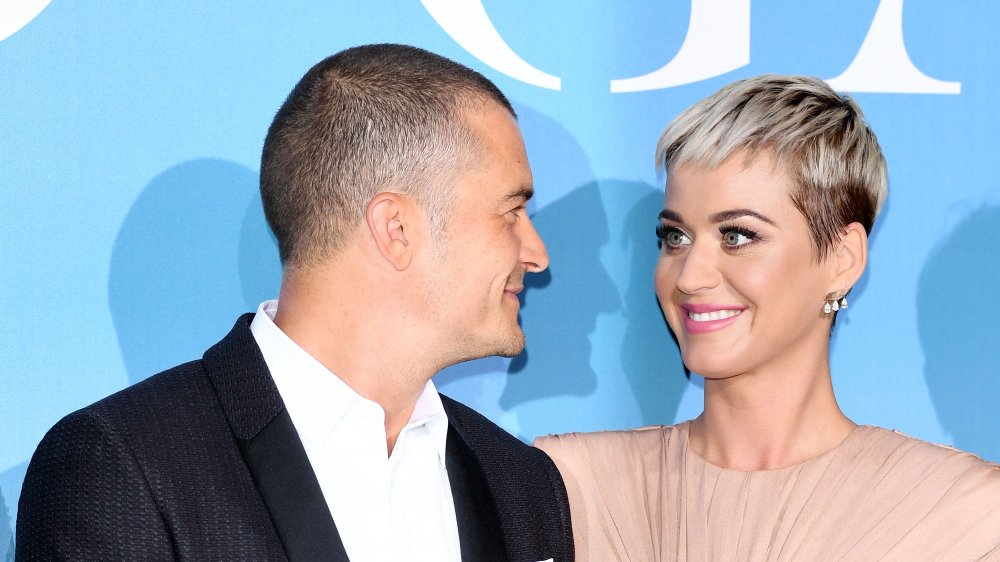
[271, 447]
[246, 392]
[286, 482]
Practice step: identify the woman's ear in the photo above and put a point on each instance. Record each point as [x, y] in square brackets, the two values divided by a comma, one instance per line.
[850, 255]
[390, 217]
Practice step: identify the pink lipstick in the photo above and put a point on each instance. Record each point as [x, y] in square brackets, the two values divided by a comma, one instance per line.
[703, 318]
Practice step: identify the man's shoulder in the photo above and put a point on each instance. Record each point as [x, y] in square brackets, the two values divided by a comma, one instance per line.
[514, 468]
[183, 394]
[484, 436]
[529, 493]
[462, 416]
[159, 461]
[158, 413]
[155, 430]
[170, 393]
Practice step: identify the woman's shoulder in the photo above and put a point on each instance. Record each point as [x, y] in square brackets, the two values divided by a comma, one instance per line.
[903, 466]
[938, 497]
[909, 453]
[607, 447]
[611, 438]
[617, 482]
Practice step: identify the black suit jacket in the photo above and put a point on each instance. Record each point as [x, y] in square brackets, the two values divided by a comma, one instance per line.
[202, 462]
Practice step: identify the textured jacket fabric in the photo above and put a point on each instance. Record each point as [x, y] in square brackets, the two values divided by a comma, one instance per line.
[202, 462]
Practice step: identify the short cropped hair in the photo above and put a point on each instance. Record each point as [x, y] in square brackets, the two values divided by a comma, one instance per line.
[362, 121]
[818, 137]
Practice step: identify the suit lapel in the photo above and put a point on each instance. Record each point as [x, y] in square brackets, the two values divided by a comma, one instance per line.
[289, 488]
[527, 494]
[271, 447]
[479, 531]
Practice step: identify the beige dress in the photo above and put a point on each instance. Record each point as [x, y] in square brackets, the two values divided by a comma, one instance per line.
[643, 495]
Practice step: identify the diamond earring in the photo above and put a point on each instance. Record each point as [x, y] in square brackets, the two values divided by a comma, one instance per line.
[835, 301]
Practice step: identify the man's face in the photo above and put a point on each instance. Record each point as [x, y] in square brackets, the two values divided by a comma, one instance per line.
[479, 260]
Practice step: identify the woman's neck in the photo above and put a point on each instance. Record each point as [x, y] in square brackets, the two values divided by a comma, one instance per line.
[776, 416]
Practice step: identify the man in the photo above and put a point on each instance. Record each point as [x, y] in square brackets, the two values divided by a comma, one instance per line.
[395, 182]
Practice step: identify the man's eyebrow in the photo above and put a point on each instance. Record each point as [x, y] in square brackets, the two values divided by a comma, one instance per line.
[669, 215]
[723, 216]
[525, 193]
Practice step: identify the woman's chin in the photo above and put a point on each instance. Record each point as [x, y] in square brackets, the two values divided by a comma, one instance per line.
[716, 367]
[711, 365]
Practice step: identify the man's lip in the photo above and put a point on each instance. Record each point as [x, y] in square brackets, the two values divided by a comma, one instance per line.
[513, 290]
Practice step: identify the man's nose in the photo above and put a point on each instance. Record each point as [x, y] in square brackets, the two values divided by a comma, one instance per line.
[533, 253]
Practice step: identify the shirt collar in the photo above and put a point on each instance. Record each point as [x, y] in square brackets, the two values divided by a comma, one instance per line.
[429, 411]
[318, 400]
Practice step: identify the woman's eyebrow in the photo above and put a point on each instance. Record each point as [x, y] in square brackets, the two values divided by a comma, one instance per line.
[669, 215]
[723, 216]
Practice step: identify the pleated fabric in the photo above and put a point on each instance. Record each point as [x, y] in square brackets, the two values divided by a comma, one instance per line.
[642, 495]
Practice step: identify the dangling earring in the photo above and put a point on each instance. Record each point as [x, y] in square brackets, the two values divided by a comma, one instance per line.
[835, 301]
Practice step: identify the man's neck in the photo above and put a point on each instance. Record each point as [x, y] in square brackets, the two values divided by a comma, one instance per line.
[350, 335]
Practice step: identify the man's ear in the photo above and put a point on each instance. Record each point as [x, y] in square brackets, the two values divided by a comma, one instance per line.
[850, 255]
[390, 218]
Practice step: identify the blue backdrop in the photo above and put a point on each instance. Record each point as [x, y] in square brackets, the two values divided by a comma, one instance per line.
[131, 235]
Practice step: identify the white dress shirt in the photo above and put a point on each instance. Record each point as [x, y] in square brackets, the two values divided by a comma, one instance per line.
[386, 507]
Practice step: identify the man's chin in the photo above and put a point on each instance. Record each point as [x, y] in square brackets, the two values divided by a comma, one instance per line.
[514, 344]
[508, 343]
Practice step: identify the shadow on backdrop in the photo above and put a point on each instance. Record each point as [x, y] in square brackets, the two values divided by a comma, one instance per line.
[10, 493]
[6, 530]
[193, 253]
[957, 325]
[564, 305]
[558, 163]
[650, 357]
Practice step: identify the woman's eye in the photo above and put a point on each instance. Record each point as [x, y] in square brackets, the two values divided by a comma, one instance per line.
[676, 238]
[672, 237]
[737, 238]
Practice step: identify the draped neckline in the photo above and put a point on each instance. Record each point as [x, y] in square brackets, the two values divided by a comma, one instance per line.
[697, 461]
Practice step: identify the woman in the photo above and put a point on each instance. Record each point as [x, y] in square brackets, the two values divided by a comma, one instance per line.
[773, 184]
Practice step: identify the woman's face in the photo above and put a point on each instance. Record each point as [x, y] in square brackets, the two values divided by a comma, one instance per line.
[736, 278]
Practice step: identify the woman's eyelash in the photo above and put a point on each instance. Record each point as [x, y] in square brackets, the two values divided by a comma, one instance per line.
[665, 230]
[733, 236]
[727, 231]
[670, 237]
[752, 234]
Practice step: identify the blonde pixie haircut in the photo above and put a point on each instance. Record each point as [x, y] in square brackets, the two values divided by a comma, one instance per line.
[817, 136]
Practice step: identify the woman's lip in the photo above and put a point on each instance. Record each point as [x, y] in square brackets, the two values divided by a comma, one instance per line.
[726, 315]
[707, 307]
